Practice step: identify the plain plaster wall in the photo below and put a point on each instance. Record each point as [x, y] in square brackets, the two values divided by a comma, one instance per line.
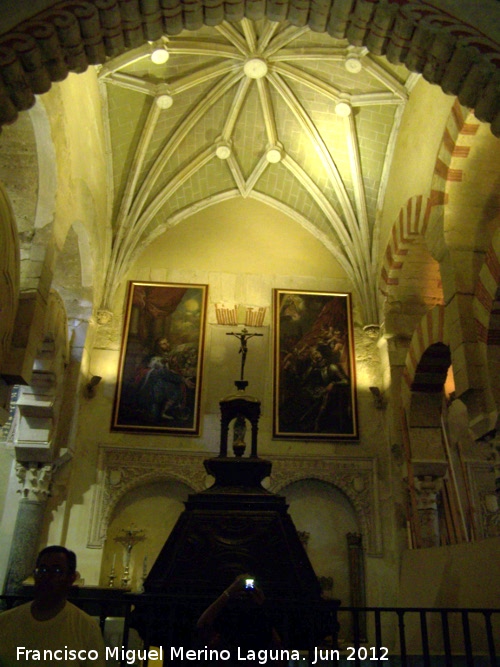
[460, 575]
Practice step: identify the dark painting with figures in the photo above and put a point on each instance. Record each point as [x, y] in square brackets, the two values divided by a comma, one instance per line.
[314, 373]
[159, 376]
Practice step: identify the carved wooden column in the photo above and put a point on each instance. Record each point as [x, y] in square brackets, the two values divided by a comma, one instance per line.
[35, 482]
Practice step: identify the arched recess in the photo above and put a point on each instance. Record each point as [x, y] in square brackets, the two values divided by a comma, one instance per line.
[430, 331]
[427, 218]
[119, 471]
[426, 401]
[440, 500]
[355, 477]
[326, 516]
[453, 54]
[151, 507]
[467, 224]
[427, 461]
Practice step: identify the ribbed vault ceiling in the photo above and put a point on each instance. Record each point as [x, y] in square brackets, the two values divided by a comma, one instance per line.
[246, 104]
[252, 109]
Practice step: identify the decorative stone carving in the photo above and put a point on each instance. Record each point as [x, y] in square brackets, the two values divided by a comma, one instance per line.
[356, 477]
[427, 490]
[104, 316]
[484, 498]
[35, 480]
[120, 470]
[372, 331]
[490, 515]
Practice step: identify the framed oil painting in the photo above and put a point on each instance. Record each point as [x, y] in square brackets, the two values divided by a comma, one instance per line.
[314, 370]
[160, 371]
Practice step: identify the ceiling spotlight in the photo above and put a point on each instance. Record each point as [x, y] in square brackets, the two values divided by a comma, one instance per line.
[164, 101]
[352, 63]
[343, 109]
[255, 68]
[159, 55]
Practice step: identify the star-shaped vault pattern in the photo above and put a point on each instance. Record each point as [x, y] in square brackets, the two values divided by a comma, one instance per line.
[261, 109]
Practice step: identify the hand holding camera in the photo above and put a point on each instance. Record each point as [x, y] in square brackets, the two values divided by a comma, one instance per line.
[245, 586]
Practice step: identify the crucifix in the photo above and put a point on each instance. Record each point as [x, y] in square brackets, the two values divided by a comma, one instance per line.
[243, 337]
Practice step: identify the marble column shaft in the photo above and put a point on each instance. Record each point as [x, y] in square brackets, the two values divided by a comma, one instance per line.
[36, 481]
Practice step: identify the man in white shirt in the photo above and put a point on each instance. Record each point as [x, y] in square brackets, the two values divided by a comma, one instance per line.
[50, 630]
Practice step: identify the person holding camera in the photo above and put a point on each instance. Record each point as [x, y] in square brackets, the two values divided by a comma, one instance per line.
[237, 622]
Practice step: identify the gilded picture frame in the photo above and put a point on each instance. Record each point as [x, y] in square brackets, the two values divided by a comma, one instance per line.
[161, 359]
[314, 366]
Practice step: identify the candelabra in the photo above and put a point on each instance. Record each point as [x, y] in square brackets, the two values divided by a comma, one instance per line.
[129, 539]
[112, 576]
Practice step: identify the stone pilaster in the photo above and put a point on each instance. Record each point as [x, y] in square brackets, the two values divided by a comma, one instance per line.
[35, 480]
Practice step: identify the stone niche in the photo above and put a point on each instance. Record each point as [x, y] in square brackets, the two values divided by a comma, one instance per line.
[122, 469]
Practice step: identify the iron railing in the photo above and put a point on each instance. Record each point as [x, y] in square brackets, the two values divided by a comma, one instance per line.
[352, 636]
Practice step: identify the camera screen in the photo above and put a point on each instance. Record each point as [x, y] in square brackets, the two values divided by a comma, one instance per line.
[249, 583]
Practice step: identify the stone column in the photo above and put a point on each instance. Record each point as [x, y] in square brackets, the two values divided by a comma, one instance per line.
[427, 489]
[35, 479]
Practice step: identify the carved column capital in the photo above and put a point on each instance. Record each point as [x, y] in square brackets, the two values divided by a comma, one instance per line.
[35, 480]
[104, 316]
[427, 489]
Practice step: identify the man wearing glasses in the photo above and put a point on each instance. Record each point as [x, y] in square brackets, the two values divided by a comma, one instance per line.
[50, 630]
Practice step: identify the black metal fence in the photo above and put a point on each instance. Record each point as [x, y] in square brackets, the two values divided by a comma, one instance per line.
[394, 637]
